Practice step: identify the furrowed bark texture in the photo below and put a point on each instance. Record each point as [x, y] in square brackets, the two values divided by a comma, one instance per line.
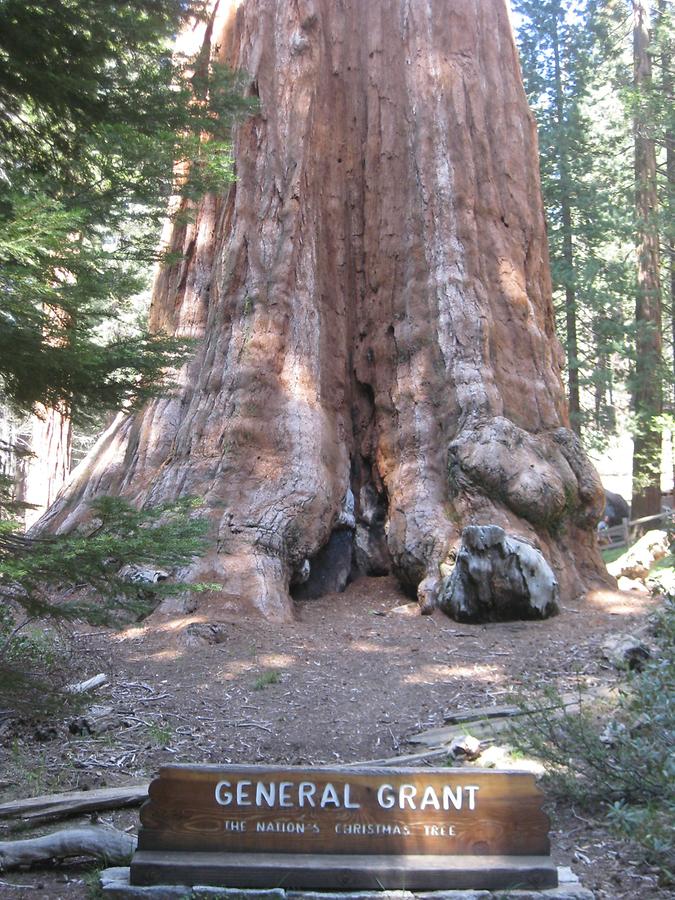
[373, 303]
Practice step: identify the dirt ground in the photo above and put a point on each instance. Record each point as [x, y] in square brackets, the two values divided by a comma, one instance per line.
[353, 679]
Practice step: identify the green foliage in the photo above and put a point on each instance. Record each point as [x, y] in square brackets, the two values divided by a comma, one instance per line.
[118, 535]
[94, 113]
[87, 575]
[159, 734]
[578, 71]
[610, 555]
[96, 118]
[92, 883]
[266, 679]
[617, 755]
[586, 183]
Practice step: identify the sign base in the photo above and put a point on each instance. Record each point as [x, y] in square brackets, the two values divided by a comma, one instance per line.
[342, 872]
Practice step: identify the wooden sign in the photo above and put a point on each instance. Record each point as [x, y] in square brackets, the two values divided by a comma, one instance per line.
[262, 808]
[345, 821]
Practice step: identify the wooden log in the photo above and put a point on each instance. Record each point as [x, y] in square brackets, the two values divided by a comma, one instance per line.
[638, 560]
[72, 803]
[108, 844]
[89, 685]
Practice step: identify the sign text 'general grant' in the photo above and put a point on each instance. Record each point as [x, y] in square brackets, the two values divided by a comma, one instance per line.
[309, 794]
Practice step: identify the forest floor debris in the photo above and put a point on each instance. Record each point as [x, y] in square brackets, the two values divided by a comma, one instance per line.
[354, 680]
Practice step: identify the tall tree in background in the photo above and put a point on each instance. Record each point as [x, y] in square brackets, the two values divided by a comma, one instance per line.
[378, 366]
[647, 379]
[588, 65]
[666, 107]
[560, 43]
[555, 62]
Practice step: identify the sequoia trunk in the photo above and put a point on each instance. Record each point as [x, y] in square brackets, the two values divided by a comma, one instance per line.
[377, 364]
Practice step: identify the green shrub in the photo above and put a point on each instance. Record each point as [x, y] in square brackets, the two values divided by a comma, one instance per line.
[45, 582]
[617, 755]
[267, 678]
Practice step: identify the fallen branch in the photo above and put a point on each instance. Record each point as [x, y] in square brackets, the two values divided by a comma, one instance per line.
[106, 844]
[83, 686]
[72, 803]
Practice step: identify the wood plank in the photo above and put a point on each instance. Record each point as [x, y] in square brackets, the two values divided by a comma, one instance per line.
[433, 753]
[343, 872]
[647, 519]
[489, 722]
[443, 736]
[72, 803]
[482, 712]
[344, 811]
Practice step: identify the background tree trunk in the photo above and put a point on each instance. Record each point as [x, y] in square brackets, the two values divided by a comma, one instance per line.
[647, 391]
[377, 365]
[571, 342]
[49, 465]
[669, 191]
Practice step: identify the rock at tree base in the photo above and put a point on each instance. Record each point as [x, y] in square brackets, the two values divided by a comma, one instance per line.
[496, 577]
[625, 650]
[200, 633]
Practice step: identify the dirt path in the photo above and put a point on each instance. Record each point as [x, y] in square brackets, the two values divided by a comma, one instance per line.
[353, 679]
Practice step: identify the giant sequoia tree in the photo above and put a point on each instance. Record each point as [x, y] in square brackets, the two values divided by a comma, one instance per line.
[377, 366]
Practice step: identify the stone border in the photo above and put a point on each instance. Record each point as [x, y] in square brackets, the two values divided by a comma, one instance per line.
[115, 886]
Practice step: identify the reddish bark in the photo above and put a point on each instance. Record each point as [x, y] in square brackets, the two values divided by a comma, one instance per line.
[373, 303]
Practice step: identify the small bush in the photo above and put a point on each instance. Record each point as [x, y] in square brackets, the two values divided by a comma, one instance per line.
[35, 665]
[617, 755]
[267, 678]
[46, 582]
[159, 734]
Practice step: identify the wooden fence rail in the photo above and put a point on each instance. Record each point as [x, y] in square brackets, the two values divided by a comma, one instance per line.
[624, 534]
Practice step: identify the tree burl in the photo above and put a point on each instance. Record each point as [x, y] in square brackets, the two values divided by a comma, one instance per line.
[377, 365]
